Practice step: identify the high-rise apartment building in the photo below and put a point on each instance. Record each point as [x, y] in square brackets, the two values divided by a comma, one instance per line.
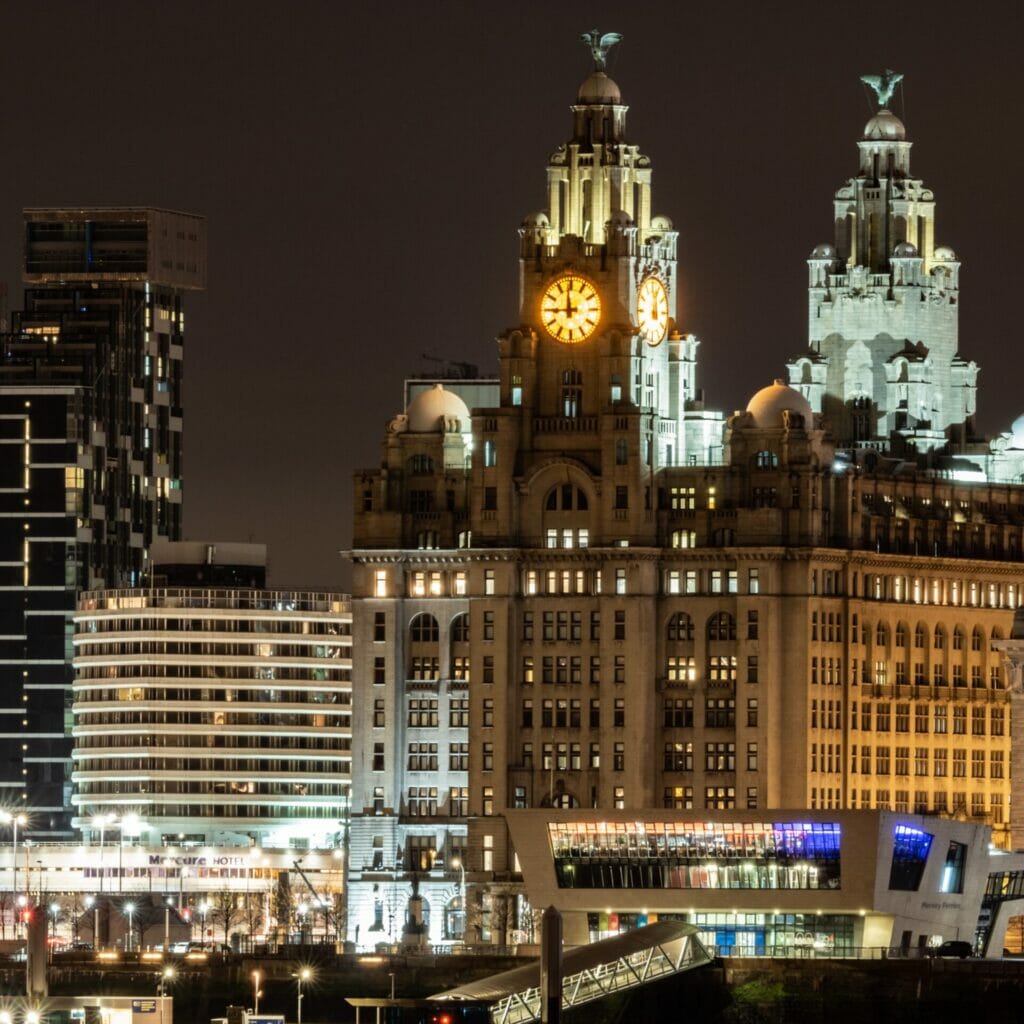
[210, 710]
[592, 595]
[91, 425]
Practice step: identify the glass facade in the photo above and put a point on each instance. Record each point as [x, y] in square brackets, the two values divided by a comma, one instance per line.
[739, 934]
[696, 855]
[909, 856]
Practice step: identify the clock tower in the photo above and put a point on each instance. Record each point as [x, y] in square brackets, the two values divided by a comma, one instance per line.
[599, 350]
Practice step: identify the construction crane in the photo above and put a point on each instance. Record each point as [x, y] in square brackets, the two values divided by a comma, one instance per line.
[319, 901]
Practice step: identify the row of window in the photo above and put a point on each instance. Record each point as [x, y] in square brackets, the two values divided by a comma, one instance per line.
[567, 713]
[827, 627]
[441, 583]
[719, 712]
[716, 798]
[925, 801]
[718, 757]
[865, 672]
[884, 760]
[939, 591]
[924, 715]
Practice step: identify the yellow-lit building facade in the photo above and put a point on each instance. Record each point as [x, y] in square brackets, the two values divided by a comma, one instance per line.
[599, 594]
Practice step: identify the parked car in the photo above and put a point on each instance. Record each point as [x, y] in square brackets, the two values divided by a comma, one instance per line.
[953, 948]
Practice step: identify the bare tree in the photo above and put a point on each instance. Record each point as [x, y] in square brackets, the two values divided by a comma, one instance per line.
[226, 911]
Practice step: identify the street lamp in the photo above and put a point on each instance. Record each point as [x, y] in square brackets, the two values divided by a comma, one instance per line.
[165, 977]
[54, 911]
[100, 822]
[129, 909]
[303, 974]
[256, 993]
[456, 862]
[204, 909]
[167, 923]
[14, 820]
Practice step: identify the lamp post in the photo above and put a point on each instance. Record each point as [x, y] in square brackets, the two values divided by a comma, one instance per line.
[457, 863]
[167, 923]
[99, 822]
[166, 975]
[129, 824]
[129, 909]
[303, 974]
[54, 911]
[256, 993]
[204, 909]
[14, 820]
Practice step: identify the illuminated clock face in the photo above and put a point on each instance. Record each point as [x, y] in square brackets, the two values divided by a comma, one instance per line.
[652, 310]
[570, 309]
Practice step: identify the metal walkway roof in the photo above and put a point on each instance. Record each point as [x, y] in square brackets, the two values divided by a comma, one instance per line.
[589, 972]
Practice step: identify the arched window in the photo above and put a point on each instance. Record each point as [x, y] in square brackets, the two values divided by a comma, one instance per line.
[423, 629]
[460, 629]
[920, 635]
[901, 635]
[881, 635]
[684, 538]
[563, 526]
[454, 918]
[997, 634]
[680, 627]
[939, 639]
[977, 639]
[958, 638]
[721, 626]
[566, 498]
[766, 460]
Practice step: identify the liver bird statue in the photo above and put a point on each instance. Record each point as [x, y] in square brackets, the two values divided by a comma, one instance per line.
[884, 85]
[600, 45]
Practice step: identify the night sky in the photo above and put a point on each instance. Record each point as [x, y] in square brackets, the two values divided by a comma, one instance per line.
[364, 168]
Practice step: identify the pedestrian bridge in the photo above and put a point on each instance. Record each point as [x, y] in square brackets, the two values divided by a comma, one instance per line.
[588, 972]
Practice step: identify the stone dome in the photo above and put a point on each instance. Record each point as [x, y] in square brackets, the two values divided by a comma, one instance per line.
[823, 252]
[768, 405]
[660, 224]
[1017, 430]
[599, 88]
[620, 220]
[536, 220]
[429, 409]
[885, 125]
[903, 250]
[944, 253]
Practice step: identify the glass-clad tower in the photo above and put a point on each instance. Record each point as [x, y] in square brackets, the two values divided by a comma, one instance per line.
[90, 458]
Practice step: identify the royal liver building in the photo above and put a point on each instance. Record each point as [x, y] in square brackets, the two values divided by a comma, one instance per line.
[593, 598]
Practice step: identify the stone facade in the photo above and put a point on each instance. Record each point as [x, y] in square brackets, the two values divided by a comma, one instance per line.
[882, 362]
[567, 600]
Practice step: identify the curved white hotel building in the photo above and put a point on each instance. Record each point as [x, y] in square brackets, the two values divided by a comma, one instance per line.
[212, 714]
